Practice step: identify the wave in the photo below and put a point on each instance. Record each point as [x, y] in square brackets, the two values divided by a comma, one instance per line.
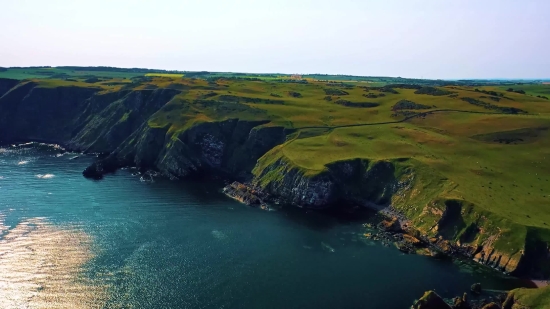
[218, 234]
[45, 176]
[22, 162]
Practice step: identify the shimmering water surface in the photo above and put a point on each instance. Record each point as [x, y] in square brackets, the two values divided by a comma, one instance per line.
[68, 242]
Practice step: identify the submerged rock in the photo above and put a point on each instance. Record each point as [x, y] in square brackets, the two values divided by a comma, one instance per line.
[476, 288]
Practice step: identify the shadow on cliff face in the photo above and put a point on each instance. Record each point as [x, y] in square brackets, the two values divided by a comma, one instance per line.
[325, 219]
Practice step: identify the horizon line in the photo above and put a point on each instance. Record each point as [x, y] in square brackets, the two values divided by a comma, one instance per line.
[281, 73]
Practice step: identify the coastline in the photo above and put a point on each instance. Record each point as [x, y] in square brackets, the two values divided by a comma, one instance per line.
[255, 197]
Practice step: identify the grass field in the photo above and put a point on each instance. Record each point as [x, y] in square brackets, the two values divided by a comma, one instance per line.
[171, 75]
[531, 89]
[532, 298]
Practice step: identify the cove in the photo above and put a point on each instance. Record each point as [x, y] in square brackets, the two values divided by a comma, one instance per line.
[125, 243]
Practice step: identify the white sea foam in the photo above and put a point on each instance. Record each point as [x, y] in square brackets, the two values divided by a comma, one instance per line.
[45, 176]
[327, 247]
[218, 234]
[22, 162]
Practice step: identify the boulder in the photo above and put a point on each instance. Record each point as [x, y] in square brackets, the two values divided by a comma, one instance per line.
[101, 167]
[461, 303]
[391, 225]
[93, 171]
[476, 288]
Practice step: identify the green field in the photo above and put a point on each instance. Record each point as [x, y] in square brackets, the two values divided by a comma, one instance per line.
[172, 75]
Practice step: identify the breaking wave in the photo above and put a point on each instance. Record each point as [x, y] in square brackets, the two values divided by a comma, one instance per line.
[45, 176]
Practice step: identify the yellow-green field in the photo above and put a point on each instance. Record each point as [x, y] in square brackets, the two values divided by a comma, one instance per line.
[164, 75]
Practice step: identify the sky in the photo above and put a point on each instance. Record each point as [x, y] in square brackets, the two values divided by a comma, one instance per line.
[444, 39]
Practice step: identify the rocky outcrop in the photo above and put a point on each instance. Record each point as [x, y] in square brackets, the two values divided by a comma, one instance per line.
[392, 225]
[293, 187]
[357, 180]
[243, 194]
[430, 300]
[461, 302]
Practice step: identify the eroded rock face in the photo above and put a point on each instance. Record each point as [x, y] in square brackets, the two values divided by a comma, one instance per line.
[492, 257]
[353, 181]
[29, 112]
[295, 188]
[227, 147]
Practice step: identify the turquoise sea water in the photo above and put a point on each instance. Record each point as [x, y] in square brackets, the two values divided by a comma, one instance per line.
[69, 242]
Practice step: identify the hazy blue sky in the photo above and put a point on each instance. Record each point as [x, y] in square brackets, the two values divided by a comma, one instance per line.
[408, 38]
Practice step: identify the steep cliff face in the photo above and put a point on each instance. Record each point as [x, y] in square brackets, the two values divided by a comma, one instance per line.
[30, 112]
[108, 125]
[487, 239]
[117, 122]
[231, 146]
[81, 118]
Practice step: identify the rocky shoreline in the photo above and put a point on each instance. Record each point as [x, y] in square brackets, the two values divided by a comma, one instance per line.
[394, 228]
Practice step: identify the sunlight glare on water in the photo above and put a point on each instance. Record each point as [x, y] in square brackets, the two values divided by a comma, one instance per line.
[40, 265]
